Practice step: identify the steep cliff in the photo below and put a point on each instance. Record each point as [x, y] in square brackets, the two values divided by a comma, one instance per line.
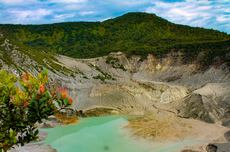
[156, 84]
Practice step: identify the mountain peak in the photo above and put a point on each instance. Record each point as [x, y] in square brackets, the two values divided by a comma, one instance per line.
[136, 17]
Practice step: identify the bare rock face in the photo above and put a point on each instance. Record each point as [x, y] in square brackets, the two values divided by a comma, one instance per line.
[211, 102]
[211, 148]
[194, 107]
[190, 150]
[218, 147]
[206, 104]
[153, 84]
[1, 35]
[35, 147]
[7, 45]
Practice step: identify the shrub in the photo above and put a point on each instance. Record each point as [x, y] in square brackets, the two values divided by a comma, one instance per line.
[99, 77]
[122, 67]
[22, 108]
[104, 74]
[72, 75]
[85, 77]
[110, 58]
[115, 63]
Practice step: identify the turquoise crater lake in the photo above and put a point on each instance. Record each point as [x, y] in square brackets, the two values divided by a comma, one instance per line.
[102, 134]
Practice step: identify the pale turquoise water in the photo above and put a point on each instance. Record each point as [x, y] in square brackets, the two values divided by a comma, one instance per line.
[101, 134]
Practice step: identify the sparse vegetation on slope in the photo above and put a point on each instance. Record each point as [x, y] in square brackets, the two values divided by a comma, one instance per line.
[21, 58]
[104, 74]
[115, 63]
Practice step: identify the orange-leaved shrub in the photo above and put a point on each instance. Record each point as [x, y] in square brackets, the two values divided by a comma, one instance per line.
[21, 107]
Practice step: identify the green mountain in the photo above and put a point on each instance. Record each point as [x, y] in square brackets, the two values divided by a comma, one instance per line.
[132, 33]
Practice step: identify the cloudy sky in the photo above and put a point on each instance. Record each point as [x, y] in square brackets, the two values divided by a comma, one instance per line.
[213, 14]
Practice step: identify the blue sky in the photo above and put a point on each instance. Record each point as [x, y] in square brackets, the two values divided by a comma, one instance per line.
[213, 14]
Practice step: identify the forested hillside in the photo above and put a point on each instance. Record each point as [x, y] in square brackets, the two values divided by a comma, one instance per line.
[132, 33]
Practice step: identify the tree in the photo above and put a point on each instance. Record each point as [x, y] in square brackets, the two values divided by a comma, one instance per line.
[21, 107]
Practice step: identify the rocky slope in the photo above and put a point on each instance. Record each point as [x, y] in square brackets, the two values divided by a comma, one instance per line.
[153, 84]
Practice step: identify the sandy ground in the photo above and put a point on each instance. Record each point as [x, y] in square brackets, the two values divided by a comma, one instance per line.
[173, 128]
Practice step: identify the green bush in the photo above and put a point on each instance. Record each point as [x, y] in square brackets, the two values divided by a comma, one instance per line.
[72, 75]
[115, 63]
[104, 74]
[110, 58]
[122, 67]
[85, 77]
[99, 77]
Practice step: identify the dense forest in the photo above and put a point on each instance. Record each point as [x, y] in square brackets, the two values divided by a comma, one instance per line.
[132, 33]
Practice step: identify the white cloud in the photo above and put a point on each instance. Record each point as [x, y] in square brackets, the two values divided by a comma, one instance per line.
[73, 6]
[67, 1]
[18, 2]
[36, 2]
[29, 15]
[62, 17]
[86, 12]
[224, 18]
[133, 2]
[192, 12]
